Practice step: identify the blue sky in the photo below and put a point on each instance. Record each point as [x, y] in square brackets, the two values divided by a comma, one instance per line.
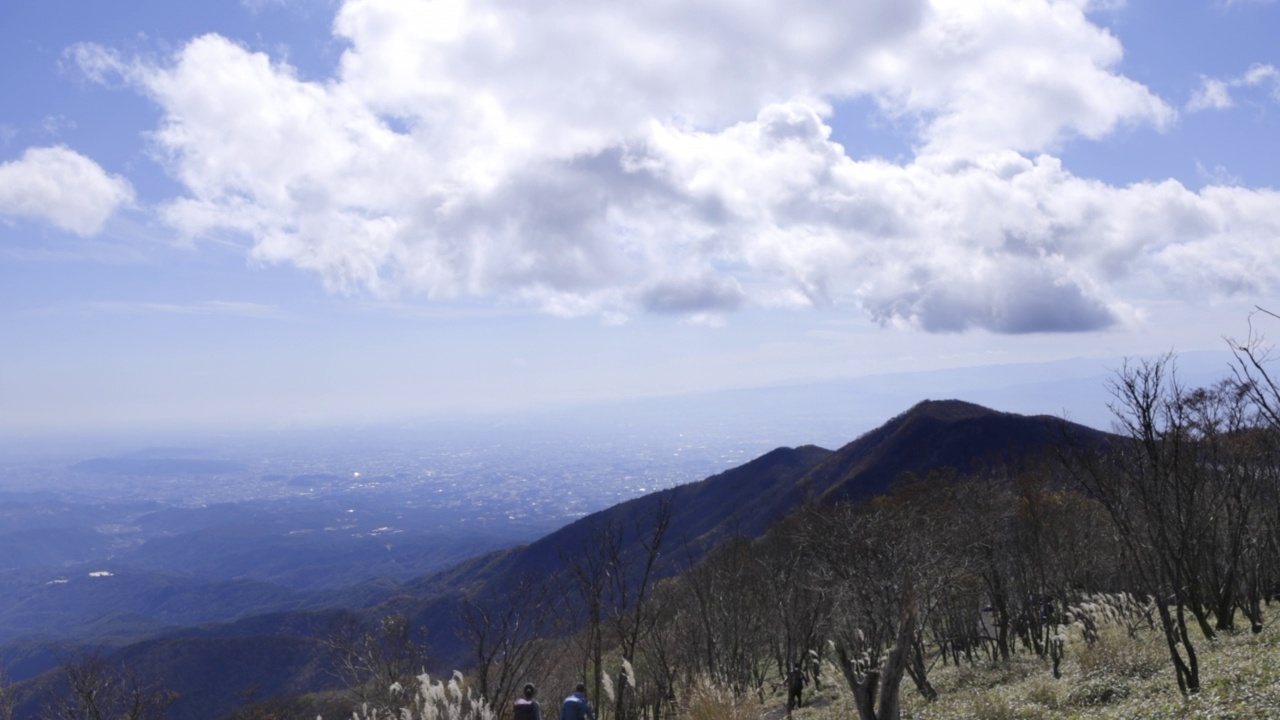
[296, 212]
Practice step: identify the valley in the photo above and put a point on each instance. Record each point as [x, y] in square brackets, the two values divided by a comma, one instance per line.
[118, 541]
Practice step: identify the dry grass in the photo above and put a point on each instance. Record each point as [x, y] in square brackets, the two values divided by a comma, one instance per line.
[432, 700]
[1116, 678]
[707, 701]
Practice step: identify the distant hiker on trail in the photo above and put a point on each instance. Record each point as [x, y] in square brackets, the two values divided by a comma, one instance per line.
[795, 686]
[526, 707]
[576, 707]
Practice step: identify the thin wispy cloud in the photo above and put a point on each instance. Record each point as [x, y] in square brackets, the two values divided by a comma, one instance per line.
[1213, 94]
[433, 311]
[7, 134]
[1218, 175]
[207, 308]
[1216, 93]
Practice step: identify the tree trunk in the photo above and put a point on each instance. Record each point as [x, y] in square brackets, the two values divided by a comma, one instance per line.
[1187, 669]
[919, 672]
[885, 685]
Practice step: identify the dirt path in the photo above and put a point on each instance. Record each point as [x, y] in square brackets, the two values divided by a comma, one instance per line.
[778, 710]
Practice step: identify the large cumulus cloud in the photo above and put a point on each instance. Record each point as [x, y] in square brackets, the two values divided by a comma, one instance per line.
[674, 157]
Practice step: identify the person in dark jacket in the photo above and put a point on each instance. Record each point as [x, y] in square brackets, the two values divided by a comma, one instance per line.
[526, 707]
[576, 707]
[795, 687]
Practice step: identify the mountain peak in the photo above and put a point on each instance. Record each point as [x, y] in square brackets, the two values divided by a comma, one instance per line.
[950, 410]
[932, 435]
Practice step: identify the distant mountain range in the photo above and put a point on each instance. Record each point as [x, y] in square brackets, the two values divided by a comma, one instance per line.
[829, 412]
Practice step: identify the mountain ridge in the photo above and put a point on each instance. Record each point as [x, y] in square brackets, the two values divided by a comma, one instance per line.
[743, 501]
[935, 434]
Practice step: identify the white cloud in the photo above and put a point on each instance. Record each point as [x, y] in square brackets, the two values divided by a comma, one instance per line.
[1215, 93]
[673, 157]
[998, 241]
[1264, 75]
[99, 64]
[62, 187]
[54, 125]
[997, 74]
[1217, 175]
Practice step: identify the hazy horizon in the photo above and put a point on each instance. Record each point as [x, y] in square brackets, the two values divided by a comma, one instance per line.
[827, 413]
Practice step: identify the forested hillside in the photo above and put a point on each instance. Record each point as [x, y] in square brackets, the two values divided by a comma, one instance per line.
[953, 539]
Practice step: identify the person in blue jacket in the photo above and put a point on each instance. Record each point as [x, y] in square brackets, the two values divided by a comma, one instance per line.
[576, 707]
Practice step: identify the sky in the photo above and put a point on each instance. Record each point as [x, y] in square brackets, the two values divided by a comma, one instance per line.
[280, 213]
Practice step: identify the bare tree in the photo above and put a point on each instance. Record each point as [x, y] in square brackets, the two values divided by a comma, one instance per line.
[505, 631]
[865, 557]
[1156, 491]
[733, 616]
[797, 607]
[1253, 368]
[634, 573]
[1253, 356]
[97, 688]
[586, 598]
[6, 697]
[377, 664]
[876, 689]
[614, 572]
[663, 650]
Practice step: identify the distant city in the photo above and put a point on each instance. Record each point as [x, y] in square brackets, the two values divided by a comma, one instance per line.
[503, 475]
[537, 471]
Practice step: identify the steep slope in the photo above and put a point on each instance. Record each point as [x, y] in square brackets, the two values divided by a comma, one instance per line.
[937, 434]
[744, 500]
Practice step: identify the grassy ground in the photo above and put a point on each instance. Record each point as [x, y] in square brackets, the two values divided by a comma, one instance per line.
[1117, 677]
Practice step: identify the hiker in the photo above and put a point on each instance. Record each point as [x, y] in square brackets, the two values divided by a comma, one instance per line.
[526, 707]
[576, 707]
[795, 685]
